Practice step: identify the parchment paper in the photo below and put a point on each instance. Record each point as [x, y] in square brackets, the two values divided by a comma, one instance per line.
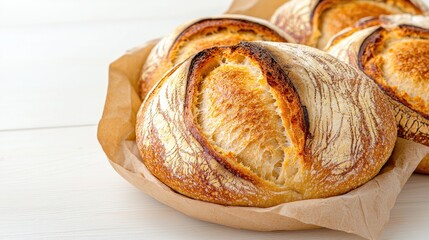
[255, 8]
[363, 211]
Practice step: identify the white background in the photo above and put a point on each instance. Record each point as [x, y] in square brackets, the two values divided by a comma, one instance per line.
[55, 181]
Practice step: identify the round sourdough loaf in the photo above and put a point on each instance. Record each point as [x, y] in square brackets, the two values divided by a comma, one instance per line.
[262, 123]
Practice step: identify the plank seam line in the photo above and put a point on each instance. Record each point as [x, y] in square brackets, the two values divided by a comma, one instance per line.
[46, 128]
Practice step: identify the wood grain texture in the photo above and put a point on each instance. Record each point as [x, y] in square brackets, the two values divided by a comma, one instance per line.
[56, 183]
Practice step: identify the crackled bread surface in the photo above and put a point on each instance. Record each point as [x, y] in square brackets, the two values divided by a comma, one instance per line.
[398, 60]
[259, 124]
[201, 34]
[346, 13]
[315, 22]
[395, 54]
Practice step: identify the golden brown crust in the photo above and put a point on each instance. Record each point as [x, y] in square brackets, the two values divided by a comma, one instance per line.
[298, 105]
[236, 30]
[201, 34]
[314, 22]
[232, 95]
[363, 23]
[411, 125]
[396, 55]
[335, 171]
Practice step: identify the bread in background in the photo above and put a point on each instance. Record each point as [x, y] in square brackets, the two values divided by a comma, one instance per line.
[394, 52]
[200, 34]
[314, 22]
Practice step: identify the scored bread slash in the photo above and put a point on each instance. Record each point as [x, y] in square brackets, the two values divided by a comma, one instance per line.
[314, 22]
[201, 34]
[394, 53]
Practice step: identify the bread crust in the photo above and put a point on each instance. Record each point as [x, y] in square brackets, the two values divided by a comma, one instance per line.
[275, 78]
[200, 34]
[322, 114]
[395, 55]
[406, 63]
[314, 22]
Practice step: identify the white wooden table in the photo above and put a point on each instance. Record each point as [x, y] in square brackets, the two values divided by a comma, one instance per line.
[55, 181]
